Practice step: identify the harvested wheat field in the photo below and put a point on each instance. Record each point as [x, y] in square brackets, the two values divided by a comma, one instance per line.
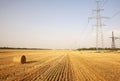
[60, 65]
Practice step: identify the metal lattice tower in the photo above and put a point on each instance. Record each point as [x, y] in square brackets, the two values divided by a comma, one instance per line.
[113, 46]
[99, 25]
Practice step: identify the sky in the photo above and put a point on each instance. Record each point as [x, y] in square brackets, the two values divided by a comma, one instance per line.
[56, 24]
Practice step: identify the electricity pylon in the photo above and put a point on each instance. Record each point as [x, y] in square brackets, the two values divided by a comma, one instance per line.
[113, 46]
[99, 25]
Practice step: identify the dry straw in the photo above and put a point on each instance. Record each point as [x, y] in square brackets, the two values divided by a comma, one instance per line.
[19, 59]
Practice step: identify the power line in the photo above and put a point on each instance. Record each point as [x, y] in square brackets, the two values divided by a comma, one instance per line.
[113, 46]
[84, 34]
[117, 13]
[99, 31]
[114, 15]
[101, 2]
[104, 3]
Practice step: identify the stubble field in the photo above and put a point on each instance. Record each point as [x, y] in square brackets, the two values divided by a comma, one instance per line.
[60, 65]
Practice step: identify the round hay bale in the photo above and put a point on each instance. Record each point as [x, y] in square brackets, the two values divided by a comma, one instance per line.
[20, 59]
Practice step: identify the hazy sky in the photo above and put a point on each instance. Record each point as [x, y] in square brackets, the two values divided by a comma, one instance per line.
[55, 23]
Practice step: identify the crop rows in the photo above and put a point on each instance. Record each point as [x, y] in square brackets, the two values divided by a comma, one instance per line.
[61, 65]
